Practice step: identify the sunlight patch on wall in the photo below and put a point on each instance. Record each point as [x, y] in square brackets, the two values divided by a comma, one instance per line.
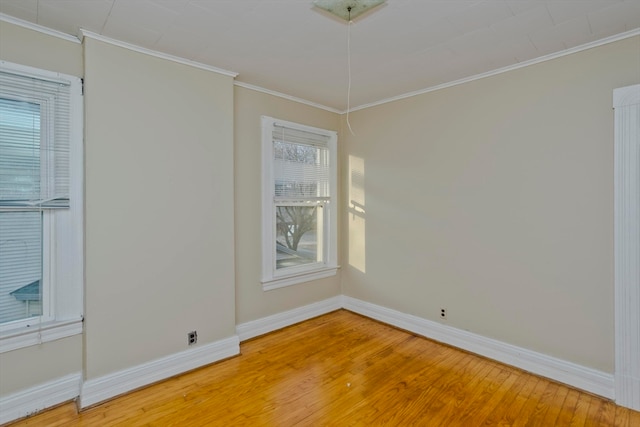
[357, 246]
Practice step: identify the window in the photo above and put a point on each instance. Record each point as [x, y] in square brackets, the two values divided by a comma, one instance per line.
[299, 231]
[41, 263]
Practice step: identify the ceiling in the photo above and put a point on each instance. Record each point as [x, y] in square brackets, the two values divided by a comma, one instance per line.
[288, 46]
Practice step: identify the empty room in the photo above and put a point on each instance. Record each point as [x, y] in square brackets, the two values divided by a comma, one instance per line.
[329, 212]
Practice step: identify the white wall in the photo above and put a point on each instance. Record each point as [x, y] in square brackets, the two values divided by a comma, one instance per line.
[494, 199]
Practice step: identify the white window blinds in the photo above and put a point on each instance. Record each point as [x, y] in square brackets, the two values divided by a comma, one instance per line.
[34, 142]
[301, 165]
[20, 265]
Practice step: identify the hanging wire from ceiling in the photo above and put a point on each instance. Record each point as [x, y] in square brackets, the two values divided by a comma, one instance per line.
[348, 10]
[349, 71]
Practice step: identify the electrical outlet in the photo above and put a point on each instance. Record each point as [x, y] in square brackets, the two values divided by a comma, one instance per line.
[192, 338]
[443, 313]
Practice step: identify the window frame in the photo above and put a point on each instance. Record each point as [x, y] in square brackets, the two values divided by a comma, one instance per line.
[273, 278]
[62, 237]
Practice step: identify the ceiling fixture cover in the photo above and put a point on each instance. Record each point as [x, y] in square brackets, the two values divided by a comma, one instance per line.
[347, 9]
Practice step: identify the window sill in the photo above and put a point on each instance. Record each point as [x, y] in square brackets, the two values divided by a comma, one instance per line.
[22, 337]
[282, 282]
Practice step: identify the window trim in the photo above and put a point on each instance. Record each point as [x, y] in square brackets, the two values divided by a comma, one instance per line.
[271, 277]
[63, 240]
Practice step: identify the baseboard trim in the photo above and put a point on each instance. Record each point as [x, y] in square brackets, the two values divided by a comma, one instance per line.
[97, 390]
[578, 376]
[94, 391]
[34, 399]
[277, 321]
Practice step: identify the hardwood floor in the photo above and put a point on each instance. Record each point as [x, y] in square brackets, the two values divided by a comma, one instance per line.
[342, 369]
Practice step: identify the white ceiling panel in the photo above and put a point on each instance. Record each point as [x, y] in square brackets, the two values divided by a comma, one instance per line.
[147, 14]
[614, 19]
[172, 5]
[144, 37]
[547, 41]
[69, 16]
[480, 15]
[520, 47]
[229, 9]
[575, 31]
[519, 6]
[288, 46]
[531, 20]
[479, 42]
[24, 9]
[566, 10]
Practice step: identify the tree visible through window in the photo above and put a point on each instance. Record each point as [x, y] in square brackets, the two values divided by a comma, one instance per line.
[297, 237]
[299, 196]
[296, 224]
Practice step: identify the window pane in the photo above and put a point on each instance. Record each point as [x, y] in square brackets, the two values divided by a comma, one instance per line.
[298, 235]
[300, 171]
[19, 150]
[20, 265]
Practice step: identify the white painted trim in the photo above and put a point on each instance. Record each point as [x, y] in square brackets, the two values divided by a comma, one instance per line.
[74, 82]
[277, 321]
[155, 53]
[626, 102]
[283, 282]
[508, 68]
[32, 400]
[270, 277]
[38, 334]
[626, 96]
[99, 389]
[38, 28]
[584, 378]
[63, 259]
[285, 96]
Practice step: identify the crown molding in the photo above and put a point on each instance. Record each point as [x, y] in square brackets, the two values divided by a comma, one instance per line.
[84, 33]
[523, 64]
[38, 28]
[285, 96]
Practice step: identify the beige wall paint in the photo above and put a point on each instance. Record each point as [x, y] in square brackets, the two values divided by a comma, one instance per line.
[27, 47]
[32, 366]
[159, 207]
[251, 301]
[56, 359]
[494, 199]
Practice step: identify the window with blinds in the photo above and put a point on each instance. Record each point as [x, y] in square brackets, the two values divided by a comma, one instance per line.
[299, 170]
[34, 142]
[301, 165]
[35, 135]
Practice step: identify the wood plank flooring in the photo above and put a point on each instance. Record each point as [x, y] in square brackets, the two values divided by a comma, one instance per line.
[342, 369]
